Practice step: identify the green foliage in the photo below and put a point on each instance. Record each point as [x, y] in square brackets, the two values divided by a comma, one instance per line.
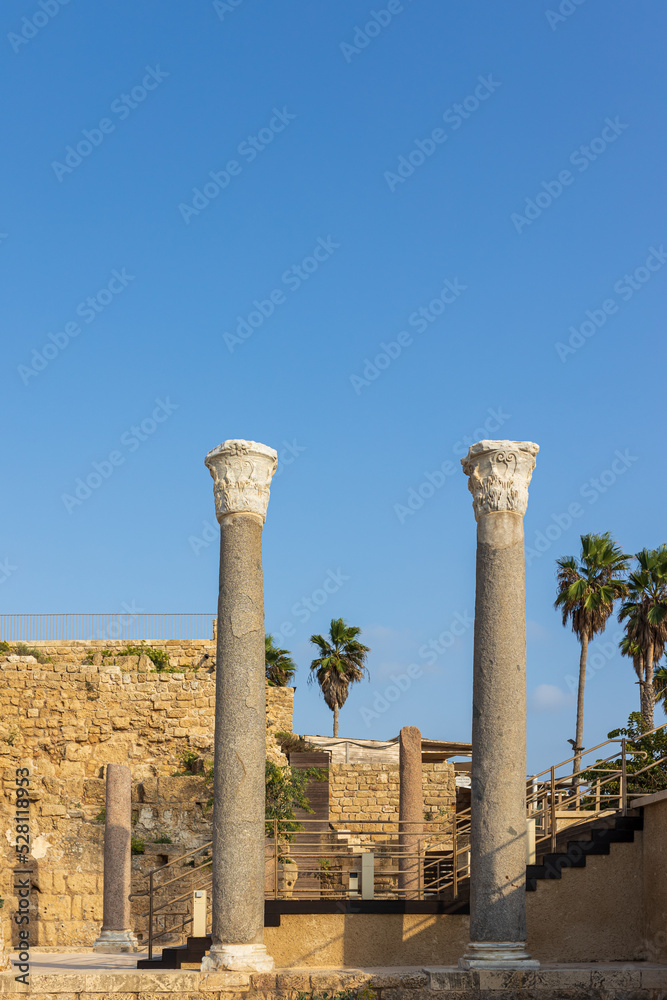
[645, 615]
[138, 846]
[191, 763]
[363, 993]
[20, 649]
[641, 752]
[342, 662]
[279, 666]
[159, 657]
[285, 792]
[92, 692]
[587, 589]
[291, 743]
[101, 816]
[164, 838]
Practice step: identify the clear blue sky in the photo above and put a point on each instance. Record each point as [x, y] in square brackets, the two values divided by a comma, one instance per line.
[305, 115]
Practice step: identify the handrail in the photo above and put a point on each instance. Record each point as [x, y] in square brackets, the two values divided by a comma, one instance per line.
[440, 855]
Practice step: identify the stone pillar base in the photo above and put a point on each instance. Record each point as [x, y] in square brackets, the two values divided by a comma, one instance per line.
[497, 955]
[237, 958]
[115, 942]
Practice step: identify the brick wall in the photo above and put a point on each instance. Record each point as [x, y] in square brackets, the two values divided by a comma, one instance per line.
[370, 793]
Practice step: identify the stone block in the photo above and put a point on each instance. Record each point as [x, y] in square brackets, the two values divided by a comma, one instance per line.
[615, 979]
[293, 981]
[224, 980]
[506, 979]
[562, 979]
[406, 980]
[55, 908]
[451, 979]
[654, 979]
[82, 884]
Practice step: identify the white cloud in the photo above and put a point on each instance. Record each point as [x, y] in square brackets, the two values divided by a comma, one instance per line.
[549, 698]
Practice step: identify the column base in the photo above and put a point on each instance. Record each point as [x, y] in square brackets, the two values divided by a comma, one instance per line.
[115, 942]
[237, 958]
[497, 955]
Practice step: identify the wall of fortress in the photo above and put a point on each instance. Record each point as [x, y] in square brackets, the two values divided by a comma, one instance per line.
[66, 720]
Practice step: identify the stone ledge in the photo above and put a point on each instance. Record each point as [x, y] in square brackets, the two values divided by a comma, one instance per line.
[640, 981]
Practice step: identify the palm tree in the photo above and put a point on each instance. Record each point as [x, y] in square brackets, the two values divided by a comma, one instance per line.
[278, 664]
[341, 663]
[660, 687]
[587, 590]
[645, 616]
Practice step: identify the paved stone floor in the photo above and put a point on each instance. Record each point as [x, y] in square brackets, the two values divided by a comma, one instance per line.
[51, 962]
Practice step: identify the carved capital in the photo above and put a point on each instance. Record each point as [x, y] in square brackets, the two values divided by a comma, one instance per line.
[242, 472]
[498, 475]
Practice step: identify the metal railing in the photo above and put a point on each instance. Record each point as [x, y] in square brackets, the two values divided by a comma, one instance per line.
[171, 889]
[126, 626]
[557, 801]
[370, 859]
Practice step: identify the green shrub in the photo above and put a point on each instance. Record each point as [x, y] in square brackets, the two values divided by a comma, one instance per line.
[164, 838]
[138, 846]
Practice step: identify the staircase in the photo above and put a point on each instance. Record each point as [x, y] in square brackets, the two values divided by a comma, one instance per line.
[576, 843]
[189, 954]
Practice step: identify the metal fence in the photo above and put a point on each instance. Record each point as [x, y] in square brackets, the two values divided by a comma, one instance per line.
[126, 626]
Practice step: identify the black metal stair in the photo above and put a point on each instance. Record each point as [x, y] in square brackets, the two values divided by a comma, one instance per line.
[601, 833]
[174, 958]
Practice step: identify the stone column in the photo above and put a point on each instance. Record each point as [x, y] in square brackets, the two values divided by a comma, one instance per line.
[117, 935]
[242, 472]
[499, 473]
[410, 810]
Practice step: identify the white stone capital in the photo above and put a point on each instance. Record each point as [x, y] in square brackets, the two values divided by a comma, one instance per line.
[498, 475]
[242, 472]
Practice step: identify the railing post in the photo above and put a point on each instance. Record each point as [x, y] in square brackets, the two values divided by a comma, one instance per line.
[597, 795]
[275, 859]
[553, 809]
[624, 778]
[150, 917]
[455, 864]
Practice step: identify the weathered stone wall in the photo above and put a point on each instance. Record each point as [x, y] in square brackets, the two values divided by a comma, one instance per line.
[368, 793]
[65, 720]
